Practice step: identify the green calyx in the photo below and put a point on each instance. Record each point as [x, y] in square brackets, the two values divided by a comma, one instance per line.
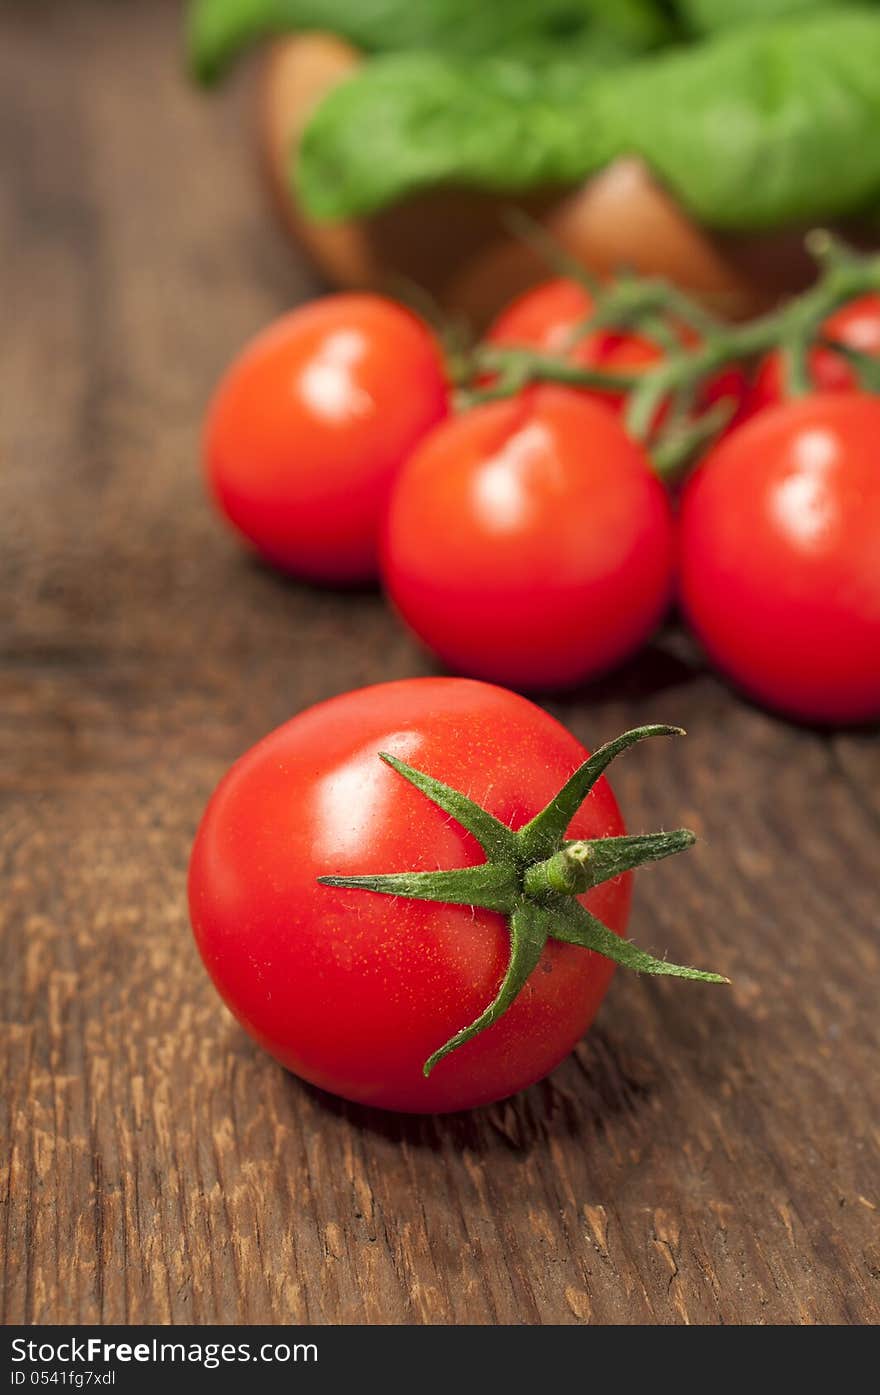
[533, 877]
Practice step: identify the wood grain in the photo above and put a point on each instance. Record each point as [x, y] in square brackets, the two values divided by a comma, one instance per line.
[704, 1156]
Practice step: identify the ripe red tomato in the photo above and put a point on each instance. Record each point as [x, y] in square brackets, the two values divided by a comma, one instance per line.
[310, 424]
[780, 557]
[529, 542]
[856, 325]
[543, 317]
[353, 990]
[546, 317]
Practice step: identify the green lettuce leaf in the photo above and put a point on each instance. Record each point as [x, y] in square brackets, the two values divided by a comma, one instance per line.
[754, 128]
[758, 127]
[419, 120]
[709, 16]
[219, 30]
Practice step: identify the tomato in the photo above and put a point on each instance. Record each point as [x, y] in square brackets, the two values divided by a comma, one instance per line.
[856, 325]
[546, 317]
[780, 557]
[311, 422]
[352, 990]
[529, 542]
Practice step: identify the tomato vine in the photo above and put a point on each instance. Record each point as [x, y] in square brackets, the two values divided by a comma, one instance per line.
[649, 305]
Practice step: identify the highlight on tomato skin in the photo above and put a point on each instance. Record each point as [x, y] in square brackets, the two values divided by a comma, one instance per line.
[528, 541]
[779, 560]
[309, 425]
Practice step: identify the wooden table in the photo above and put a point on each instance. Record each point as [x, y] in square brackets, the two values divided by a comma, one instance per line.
[704, 1156]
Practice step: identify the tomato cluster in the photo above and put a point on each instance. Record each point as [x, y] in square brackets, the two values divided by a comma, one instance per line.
[529, 540]
[414, 895]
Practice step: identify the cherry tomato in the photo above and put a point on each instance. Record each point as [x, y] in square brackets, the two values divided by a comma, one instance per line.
[352, 990]
[856, 325]
[546, 317]
[780, 557]
[311, 422]
[529, 542]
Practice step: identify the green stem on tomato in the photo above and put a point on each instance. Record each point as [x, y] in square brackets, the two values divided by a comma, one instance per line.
[865, 366]
[636, 303]
[533, 876]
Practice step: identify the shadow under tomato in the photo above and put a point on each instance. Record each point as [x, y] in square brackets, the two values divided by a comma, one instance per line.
[290, 581]
[669, 661]
[665, 663]
[824, 731]
[601, 1080]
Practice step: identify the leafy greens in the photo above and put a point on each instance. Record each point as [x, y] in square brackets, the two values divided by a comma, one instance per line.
[755, 127]
[217, 30]
[754, 112]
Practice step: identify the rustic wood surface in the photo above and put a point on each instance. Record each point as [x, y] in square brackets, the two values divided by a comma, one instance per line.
[705, 1155]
